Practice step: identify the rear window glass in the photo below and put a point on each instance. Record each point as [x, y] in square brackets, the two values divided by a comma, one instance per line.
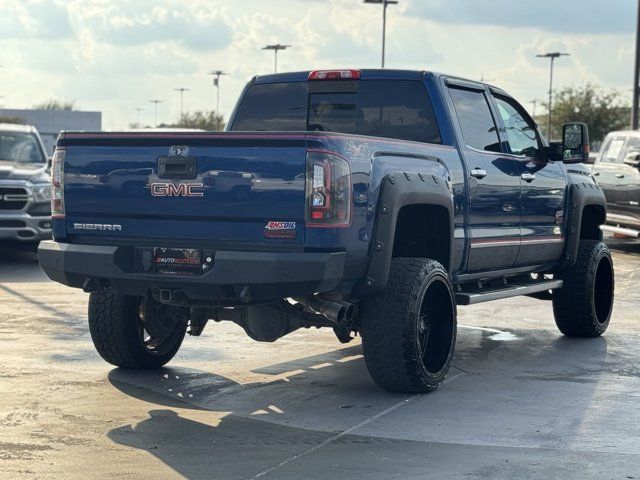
[398, 109]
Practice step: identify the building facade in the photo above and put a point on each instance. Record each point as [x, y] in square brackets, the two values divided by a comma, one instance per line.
[51, 122]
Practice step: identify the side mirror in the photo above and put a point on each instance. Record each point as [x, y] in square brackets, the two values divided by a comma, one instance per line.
[575, 143]
[49, 163]
[633, 160]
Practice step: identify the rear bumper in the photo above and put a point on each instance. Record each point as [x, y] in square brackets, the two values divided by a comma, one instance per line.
[236, 277]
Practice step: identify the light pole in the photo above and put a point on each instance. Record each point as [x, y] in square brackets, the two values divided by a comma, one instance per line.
[155, 117]
[636, 78]
[534, 102]
[216, 83]
[551, 56]
[275, 49]
[384, 4]
[181, 90]
[138, 110]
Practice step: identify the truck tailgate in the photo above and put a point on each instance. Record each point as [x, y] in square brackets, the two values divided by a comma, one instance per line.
[219, 187]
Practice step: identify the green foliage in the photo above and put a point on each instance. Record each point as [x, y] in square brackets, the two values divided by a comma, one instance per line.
[17, 120]
[201, 120]
[603, 111]
[53, 104]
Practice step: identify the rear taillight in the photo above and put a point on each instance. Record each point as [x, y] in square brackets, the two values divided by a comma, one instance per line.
[57, 183]
[334, 75]
[328, 190]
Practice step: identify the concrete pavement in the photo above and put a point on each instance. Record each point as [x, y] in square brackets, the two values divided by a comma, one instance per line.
[520, 402]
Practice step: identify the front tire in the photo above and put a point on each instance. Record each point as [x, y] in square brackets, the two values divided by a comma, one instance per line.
[134, 332]
[409, 332]
[582, 307]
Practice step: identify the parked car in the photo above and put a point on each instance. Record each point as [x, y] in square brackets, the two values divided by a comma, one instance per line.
[437, 192]
[25, 187]
[617, 171]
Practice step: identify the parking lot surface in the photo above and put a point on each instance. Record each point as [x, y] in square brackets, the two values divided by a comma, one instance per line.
[520, 402]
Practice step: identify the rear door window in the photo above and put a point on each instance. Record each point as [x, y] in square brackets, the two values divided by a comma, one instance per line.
[399, 109]
[477, 124]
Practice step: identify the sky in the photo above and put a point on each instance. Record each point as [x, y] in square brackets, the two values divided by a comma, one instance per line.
[115, 55]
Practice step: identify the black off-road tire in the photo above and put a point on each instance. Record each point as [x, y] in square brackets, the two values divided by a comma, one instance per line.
[582, 307]
[114, 323]
[398, 357]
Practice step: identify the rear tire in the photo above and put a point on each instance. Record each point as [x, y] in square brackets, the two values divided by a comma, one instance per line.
[133, 332]
[409, 332]
[582, 307]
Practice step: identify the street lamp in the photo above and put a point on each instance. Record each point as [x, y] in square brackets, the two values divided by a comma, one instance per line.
[138, 110]
[275, 49]
[384, 4]
[181, 90]
[216, 83]
[551, 56]
[155, 117]
[636, 77]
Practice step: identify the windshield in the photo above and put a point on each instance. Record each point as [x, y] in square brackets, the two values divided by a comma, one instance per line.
[398, 109]
[20, 147]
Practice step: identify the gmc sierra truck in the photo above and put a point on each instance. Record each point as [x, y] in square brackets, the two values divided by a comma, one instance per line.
[25, 188]
[372, 202]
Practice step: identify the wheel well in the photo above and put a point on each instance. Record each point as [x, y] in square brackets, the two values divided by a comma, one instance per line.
[423, 231]
[592, 217]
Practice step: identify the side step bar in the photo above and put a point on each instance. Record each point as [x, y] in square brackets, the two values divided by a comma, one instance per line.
[629, 232]
[508, 291]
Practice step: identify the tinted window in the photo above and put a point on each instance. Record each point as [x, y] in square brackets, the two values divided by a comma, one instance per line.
[385, 108]
[611, 151]
[273, 107]
[478, 127]
[333, 112]
[396, 109]
[520, 130]
[20, 147]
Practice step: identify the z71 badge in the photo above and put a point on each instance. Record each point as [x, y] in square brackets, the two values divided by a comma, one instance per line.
[275, 229]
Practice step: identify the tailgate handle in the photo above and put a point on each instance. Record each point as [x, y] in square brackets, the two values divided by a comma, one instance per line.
[177, 167]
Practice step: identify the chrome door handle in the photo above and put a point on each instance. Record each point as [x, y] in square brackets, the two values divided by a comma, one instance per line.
[528, 177]
[619, 175]
[478, 172]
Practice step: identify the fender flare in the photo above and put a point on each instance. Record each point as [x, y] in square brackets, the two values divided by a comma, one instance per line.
[397, 190]
[581, 195]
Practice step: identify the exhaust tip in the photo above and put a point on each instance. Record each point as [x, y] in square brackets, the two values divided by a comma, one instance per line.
[349, 311]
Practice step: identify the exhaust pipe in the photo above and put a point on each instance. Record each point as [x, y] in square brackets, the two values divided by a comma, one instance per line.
[349, 312]
[333, 311]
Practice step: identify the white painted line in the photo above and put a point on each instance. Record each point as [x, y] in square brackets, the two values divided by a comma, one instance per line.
[348, 431]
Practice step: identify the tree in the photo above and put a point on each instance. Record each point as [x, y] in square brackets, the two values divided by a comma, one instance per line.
[53, 104]
[603, 111]
[17, 120]
[201, 120]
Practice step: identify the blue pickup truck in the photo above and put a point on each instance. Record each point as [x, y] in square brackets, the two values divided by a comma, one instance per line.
[372, 202]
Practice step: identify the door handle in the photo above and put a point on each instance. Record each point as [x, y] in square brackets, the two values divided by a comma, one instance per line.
[528, 177]
[596, 174]
[619, 175]
[478, 172]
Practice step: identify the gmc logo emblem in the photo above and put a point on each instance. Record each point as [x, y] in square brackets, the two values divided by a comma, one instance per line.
[179, 190]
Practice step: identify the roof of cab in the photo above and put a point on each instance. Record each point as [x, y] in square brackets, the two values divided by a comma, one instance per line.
[365, 74]
[15, 127]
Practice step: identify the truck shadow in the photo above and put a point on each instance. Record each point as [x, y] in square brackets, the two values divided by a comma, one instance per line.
[533, 389]
[20, 266]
